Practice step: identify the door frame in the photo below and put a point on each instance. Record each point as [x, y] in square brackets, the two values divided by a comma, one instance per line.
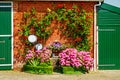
[11, 32]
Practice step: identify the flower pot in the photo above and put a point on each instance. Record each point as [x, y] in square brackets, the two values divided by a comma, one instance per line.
[55, 53]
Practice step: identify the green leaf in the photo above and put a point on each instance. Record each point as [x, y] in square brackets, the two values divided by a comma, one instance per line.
[26, 15]
[35, 24]
[74, 7]
[69, 11]
[47, 22]
[33, 11]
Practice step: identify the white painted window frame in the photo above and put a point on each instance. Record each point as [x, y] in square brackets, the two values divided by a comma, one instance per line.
[11, 32]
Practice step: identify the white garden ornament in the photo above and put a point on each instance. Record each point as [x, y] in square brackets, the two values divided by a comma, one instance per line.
[32, 38]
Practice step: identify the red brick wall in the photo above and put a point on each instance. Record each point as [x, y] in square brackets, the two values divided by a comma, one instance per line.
[41, 7]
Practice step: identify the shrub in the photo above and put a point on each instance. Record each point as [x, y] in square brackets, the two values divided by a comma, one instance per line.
[71, 57]
[86, 60]
[38, 61]
[71, 70]
[35, 58]
[38, 69]
[68, 57]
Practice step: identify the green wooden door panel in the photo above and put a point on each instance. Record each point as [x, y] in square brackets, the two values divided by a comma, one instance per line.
[5, 50]
[5, 21]
[109, 46]
[5, 67]
[5, 41]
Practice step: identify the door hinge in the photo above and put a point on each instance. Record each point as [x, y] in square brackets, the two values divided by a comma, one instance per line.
[2, 41]
[2, 58]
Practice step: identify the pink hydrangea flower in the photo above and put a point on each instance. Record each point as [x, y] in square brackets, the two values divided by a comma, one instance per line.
[71, 57]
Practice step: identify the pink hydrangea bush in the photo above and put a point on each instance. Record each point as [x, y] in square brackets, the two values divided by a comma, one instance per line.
[44, 54]
[37, 57]
[71, 57]
[85, 59]
[68, 57]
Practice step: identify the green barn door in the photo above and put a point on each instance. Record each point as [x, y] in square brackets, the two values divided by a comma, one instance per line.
[108, 37]
[109, 46]
[5, 36]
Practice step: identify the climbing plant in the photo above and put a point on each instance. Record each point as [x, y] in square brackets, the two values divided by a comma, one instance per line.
[74, 24]
[34, 24]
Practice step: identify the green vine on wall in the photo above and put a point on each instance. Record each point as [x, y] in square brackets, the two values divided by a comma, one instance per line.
[74, 24]
[34, 24]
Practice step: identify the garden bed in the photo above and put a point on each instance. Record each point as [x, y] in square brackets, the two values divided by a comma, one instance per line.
[71, 70]
[38, 69]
